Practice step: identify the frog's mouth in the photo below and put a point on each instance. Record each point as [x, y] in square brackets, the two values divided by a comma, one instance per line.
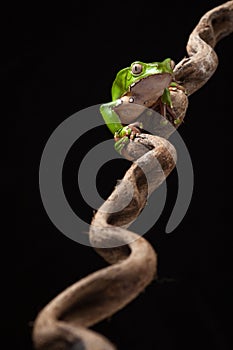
[142, 94]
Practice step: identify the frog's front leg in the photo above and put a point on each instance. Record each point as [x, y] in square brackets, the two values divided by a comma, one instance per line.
[166, 102]
[122, 134]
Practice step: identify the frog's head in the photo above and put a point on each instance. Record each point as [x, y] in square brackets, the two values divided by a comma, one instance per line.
[155, 76]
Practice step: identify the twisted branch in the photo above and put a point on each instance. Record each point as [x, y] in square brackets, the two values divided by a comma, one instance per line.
[63, 323]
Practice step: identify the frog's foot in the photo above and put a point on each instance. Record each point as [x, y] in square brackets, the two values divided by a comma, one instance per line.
[135, 129]
[175, 120]
[174, 86]
[121, 143]
[125, 134]
[130, 131]
[168, 113]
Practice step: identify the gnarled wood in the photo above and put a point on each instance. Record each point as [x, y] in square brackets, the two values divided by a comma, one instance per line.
[63, 323]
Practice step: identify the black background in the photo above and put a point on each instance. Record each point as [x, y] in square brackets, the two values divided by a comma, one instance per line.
[61, 59]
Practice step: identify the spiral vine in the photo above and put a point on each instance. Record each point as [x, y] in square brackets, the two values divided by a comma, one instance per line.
[63, 323]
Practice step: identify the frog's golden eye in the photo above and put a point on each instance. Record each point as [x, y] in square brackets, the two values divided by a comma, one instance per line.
[136, 68]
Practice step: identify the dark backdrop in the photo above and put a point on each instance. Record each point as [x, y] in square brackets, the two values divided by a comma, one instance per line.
[58, 60]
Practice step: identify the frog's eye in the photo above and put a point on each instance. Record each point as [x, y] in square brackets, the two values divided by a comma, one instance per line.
[136, 68]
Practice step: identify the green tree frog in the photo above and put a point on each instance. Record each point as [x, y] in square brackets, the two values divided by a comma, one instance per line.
[144, 85]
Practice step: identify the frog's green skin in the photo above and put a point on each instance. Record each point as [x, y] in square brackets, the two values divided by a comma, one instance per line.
[142, 84]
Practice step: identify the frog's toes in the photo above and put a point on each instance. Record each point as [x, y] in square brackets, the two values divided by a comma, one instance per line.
[177, 121]
[128, 130]
[172, 88]
[175, 86]
[120, 144]
[116, 137]
[135, 129]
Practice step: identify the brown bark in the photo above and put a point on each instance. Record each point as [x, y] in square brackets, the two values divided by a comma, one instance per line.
[63, 323]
